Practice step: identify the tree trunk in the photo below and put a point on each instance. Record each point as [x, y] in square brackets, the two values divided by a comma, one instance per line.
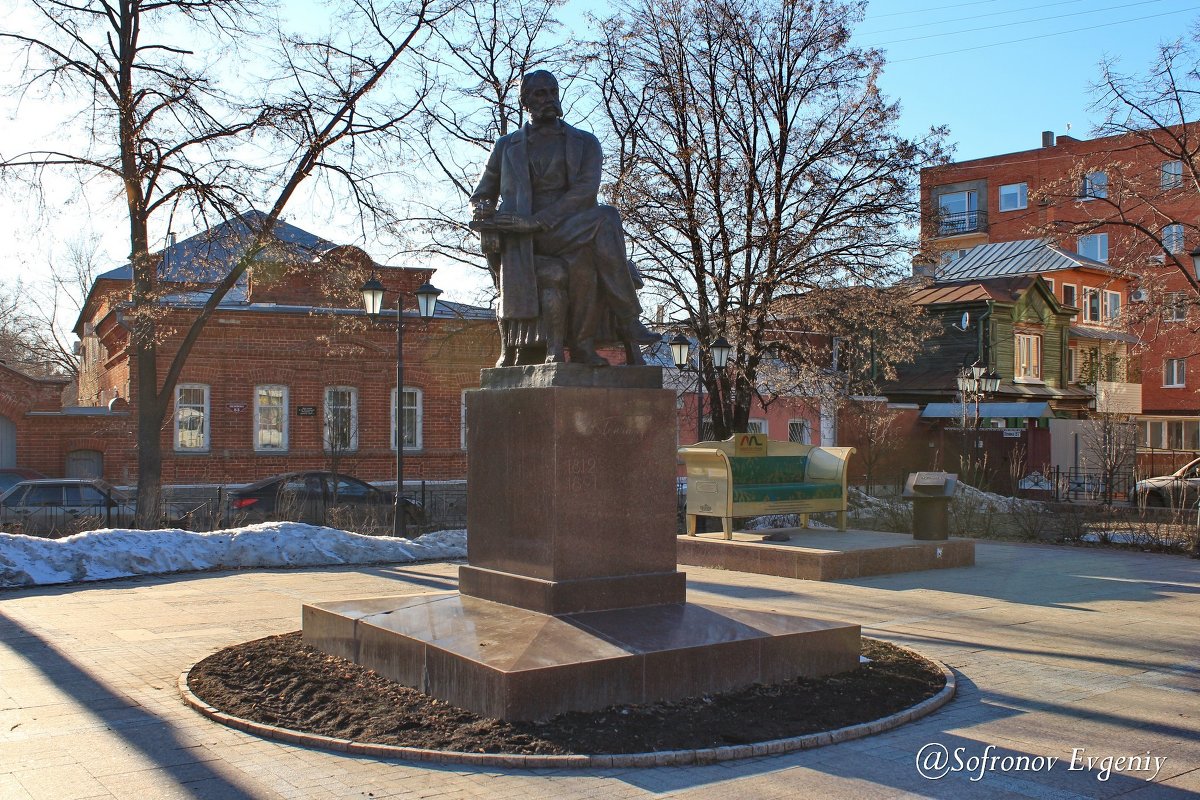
[150, 418]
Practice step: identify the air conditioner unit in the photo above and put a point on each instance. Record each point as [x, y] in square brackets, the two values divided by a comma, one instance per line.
[1139, 296]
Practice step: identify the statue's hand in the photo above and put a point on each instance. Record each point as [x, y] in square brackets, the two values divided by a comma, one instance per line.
[515, 223]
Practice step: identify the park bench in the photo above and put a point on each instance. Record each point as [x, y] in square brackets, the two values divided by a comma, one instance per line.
[747, 476]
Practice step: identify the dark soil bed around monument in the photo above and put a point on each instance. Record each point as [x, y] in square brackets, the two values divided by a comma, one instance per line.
[281, 681]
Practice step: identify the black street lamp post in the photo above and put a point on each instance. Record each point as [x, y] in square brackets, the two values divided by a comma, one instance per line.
[427, 295]
[680, 352]
[975, 383]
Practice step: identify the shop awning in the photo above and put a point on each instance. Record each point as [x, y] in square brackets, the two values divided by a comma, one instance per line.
[988, 410]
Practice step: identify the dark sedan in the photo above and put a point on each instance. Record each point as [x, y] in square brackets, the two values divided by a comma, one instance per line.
[11, 476]
[318, 498]
[57, 507]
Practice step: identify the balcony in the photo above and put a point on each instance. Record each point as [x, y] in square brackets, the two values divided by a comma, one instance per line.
[956, 223]
[1113, 397]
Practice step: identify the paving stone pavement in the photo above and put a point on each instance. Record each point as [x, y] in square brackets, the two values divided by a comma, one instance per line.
[1056, 648]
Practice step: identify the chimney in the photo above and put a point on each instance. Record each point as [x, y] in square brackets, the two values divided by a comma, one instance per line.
[1047, 138]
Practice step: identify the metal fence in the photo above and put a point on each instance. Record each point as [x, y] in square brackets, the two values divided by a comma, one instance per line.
[207, 508]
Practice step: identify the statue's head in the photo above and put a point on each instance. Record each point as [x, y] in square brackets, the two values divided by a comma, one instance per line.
[539, 96]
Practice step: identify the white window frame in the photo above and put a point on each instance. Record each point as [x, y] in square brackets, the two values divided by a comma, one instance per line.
[1101, 246]
[1095, 186]
[352, 446]
[764, 429]
[1088, 316]
[462, 423]
[1074, 297]
[1172, 237]
[1176, 307]
[1170, 175]
[1027, 364]
[259, 446]
[1022, 198]
[1072, 365]
[417, 429]
[205, 419]
[1174, 373]
[805, 427]
[1050, 285]
[1112, 307]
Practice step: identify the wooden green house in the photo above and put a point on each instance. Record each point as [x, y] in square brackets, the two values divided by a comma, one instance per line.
[1013, 327]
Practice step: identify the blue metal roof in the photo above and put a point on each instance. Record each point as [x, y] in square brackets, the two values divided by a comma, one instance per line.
[1023, 257]
[208, 256]
[1006, 410]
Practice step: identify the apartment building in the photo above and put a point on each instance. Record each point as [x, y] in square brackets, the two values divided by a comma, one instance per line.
[1082, 197]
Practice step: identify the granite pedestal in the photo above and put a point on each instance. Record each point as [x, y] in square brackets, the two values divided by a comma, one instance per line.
[571, 600]
[824, 555]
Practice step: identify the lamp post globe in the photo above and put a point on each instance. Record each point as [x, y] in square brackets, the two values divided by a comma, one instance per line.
[427, 295]
[720, 349]
[372, 294]
[680, 349]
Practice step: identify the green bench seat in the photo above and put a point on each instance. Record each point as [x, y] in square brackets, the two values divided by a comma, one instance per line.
[776, 492]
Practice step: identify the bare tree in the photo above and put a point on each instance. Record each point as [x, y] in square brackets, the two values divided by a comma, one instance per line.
[1148, 195]
[874, 435]
[165, 131]
[755, 158]
[1110, 448]
[475, 79]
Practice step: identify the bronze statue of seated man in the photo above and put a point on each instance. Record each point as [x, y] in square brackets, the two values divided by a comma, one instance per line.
[550, 239]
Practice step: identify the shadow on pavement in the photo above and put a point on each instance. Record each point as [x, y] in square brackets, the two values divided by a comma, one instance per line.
[153, 737]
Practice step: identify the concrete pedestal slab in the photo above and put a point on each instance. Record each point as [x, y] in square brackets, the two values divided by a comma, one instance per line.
[511, 663]
[824, 555]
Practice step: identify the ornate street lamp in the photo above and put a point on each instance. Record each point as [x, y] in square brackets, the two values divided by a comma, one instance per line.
[974, 383]
[427, 295]
[680, 352]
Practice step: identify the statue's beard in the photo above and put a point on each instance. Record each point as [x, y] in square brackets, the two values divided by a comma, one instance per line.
[548, 111]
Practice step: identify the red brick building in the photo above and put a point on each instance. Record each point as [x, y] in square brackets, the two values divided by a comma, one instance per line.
[290, 373]
[1079, 189]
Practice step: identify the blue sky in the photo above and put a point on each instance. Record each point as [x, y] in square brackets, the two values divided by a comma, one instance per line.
[997, 72]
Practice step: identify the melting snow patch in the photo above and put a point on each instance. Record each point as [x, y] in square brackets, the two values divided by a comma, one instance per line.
[103, 554]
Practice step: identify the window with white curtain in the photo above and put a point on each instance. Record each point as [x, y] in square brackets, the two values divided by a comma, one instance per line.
[191, 417]
[270, 418]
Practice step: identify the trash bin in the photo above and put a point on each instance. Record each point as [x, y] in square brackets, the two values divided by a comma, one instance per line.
[930, 493]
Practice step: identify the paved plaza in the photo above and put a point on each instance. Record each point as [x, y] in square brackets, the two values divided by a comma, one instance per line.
[1060, 652]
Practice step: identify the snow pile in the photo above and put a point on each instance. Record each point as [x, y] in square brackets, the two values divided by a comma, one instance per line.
[994, 502]
[771, 521]
[859, 499]
[103, 554]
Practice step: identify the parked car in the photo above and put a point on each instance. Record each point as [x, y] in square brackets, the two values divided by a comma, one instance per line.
[61, 506]
[1180, 489]
[11, 476]
[318, 498]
